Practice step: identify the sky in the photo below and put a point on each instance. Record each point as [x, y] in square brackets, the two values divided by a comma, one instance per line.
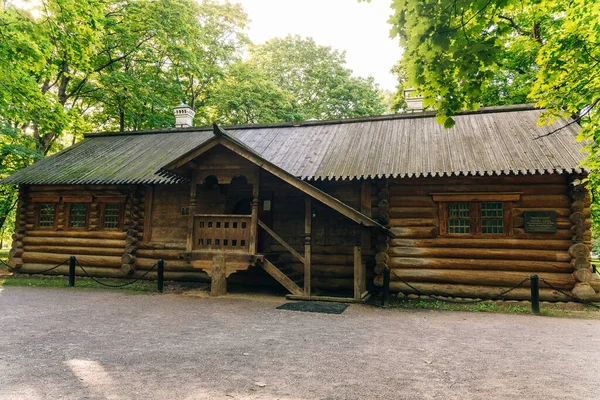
[360, 29]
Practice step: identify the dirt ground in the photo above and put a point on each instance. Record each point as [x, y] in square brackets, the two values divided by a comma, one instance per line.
[94, 344]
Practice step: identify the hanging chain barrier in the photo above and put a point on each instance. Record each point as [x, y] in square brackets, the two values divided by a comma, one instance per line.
[73, 262]
[36, 272]
[535, 292]
[434, 297]
[574, 298]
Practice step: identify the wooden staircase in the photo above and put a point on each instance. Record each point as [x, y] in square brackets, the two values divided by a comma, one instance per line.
[287, 276]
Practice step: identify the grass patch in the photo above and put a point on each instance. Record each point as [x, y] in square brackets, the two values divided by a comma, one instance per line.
[80, 283]
[549, 310]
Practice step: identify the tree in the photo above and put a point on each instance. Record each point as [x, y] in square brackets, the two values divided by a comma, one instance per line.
[317, 79]
[16, 151]
[83, 64]
[246, 95]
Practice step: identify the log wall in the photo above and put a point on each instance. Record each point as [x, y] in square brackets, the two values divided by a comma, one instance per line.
[448, 265]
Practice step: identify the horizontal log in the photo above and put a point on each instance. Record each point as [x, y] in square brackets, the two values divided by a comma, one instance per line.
[77, 242]
[414, 232]
[484, 265]
[560, 234]
[162, 245]
[483, 278]
[414, 222]
[50, 258]
[171, 265]
[156, 254]
[99, 251]
[331, 250]
[398, 200]
[414, 212]
[525, 189]
[78, 234]
[486, 254]
[560, 212]
[500, 243]
[554, 201]
[475, 291]
[480, 180]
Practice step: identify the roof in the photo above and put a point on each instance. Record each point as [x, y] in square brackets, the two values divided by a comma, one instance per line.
[223, 138]
[490, 141]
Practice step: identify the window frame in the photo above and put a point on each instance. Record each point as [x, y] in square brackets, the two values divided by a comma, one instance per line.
[68, 207]
[475, 200]
[37, 216]
[103, 215]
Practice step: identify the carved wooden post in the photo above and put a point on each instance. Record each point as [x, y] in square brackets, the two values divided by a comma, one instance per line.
[307, 243]
[218, 283]
[254, 217]
[189, 246]
[580, 251]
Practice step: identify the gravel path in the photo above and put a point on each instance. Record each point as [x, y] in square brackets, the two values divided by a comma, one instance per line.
[74, 344]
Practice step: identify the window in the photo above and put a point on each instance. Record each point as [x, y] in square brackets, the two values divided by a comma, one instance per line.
[492, 218]
[112, 216]
[459, 218]
[46, 214]
[476, 214]
[78, 216]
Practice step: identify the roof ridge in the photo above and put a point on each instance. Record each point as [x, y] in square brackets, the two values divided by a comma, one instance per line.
[384, 117]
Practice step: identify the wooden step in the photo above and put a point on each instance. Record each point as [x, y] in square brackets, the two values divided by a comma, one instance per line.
[281, 277]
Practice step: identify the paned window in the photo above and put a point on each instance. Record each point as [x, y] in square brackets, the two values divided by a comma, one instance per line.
[476, 214]
[459, 218]
[47, 211]
[492, 218]
[78, 215]
[112, 216]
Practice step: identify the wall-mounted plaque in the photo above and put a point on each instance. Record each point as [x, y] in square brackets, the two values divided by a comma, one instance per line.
[540, 221]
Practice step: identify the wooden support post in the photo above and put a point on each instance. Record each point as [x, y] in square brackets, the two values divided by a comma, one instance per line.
[193, 193]
[254, 217]
[365, 208]
[360, 283]
[307, 243]
[218, 283]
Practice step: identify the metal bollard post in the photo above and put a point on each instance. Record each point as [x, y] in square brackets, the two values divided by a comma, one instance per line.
[386, 287]
[161, 275]
[535, 294]
[72, 271]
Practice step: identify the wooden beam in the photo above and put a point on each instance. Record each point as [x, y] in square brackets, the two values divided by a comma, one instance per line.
[280, 277]
[307, 243]
[488, 196]
[360, 283]
[189, 246]
[254, 216]
[281, 241]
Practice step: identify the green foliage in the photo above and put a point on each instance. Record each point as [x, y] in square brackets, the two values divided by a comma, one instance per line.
[17, 150]
[317, 80]
[461, 54]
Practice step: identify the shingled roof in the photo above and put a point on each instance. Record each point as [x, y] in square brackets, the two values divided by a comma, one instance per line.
[490, 141]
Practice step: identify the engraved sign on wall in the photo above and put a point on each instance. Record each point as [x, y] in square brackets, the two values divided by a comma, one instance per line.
[540, 221]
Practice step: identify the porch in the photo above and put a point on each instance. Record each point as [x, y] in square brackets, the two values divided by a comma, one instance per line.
[237, 218]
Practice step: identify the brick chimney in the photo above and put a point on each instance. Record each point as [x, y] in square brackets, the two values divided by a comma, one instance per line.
[184, 116]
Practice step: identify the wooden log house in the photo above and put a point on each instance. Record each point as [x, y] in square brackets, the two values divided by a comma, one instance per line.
[320, 207]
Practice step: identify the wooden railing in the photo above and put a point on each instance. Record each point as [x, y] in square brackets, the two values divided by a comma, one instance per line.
[230, 233]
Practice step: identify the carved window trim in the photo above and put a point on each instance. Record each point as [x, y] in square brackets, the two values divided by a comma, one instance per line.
[68, 207]
[121, 216]
[475, 201]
